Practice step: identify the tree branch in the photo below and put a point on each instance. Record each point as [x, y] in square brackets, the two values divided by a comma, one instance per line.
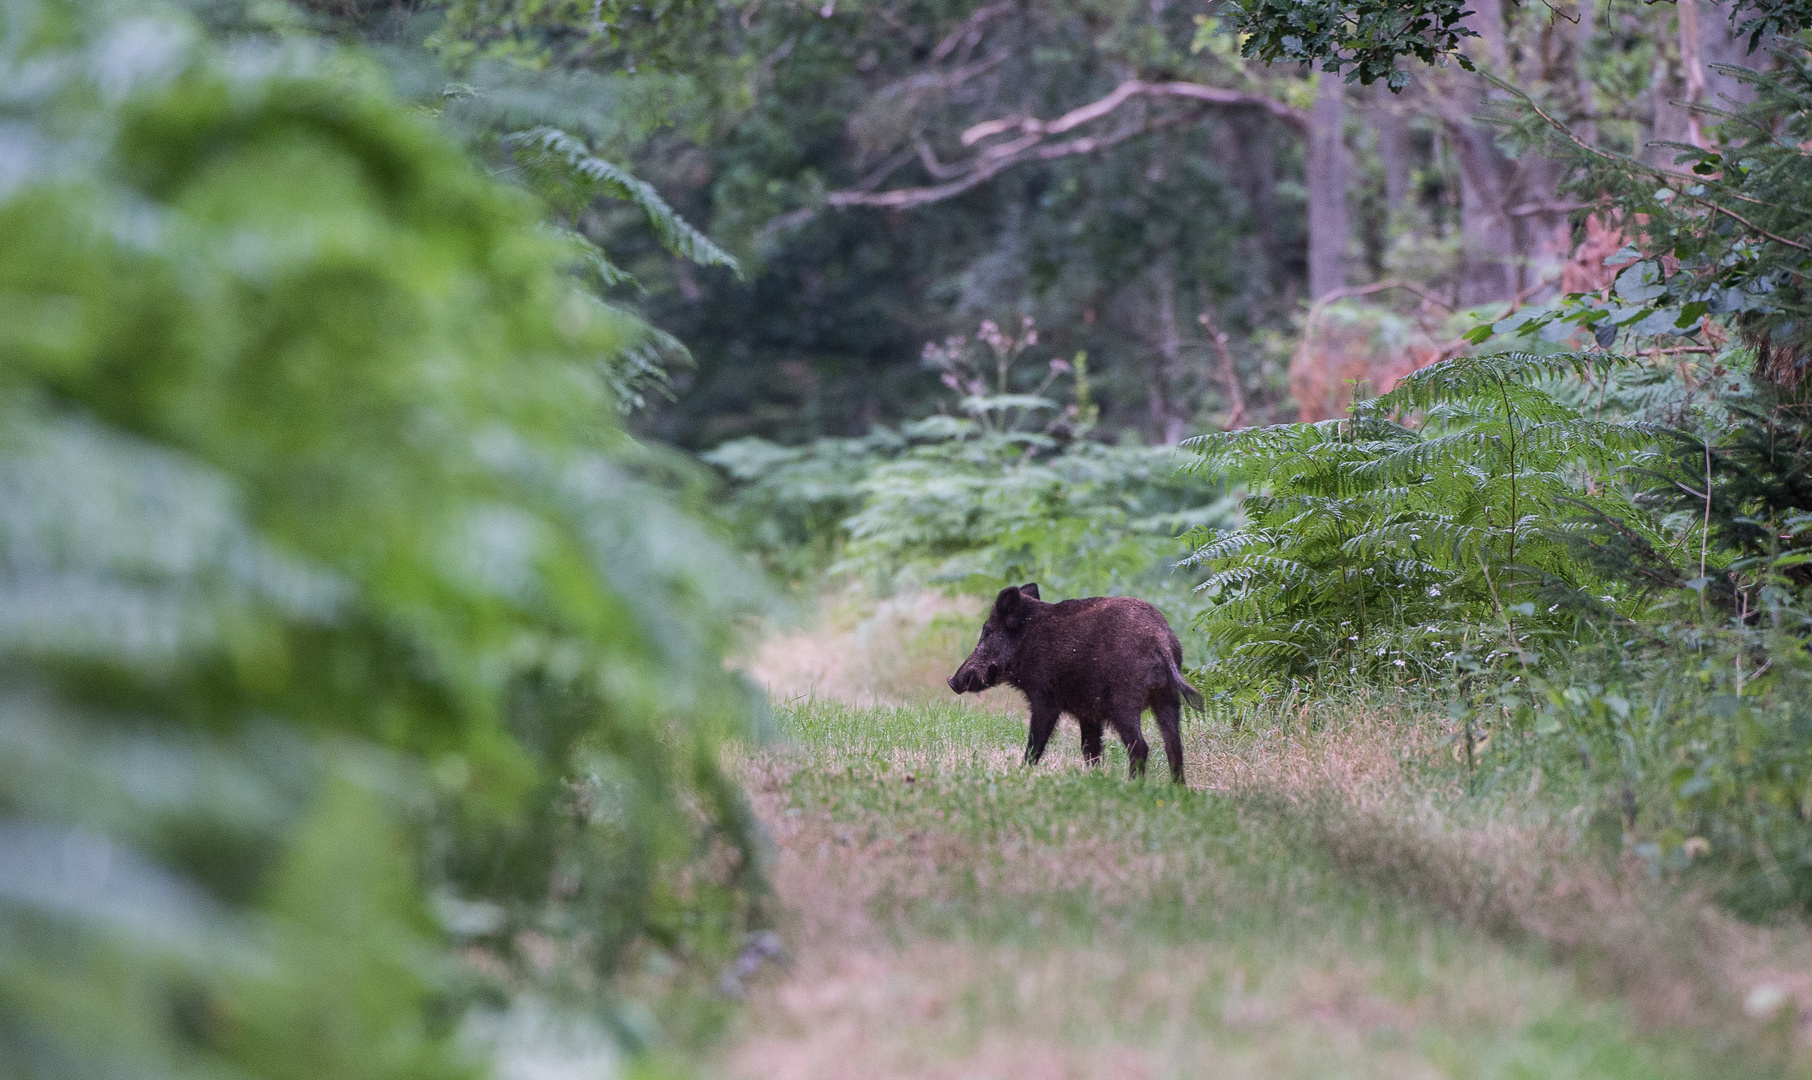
[1236, 400]
[881, 172]
[1406, 285]
[1296, 119]
[996, 160]
[937, 169]
[1030, 134]
[971, 25]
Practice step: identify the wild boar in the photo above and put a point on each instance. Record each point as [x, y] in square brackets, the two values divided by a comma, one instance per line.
[1103, 660]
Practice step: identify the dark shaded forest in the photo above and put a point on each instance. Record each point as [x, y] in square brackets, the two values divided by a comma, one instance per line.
[872, 181]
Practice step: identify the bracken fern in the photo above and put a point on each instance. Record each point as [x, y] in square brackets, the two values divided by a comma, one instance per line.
[1431, 520]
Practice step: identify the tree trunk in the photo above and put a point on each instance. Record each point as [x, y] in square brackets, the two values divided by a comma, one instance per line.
[1248, 145]
[1260, 251]
[1488, 21]
[1542, 226]
[1587, 126]
[1169, 415]
[1326, 182]
[1487, 235]
[1719, 44]
[1681, 78]
[1393, 150]
[1692, 69]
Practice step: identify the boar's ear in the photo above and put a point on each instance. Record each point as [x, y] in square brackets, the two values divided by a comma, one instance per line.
[1010, 609]
[1030, 589]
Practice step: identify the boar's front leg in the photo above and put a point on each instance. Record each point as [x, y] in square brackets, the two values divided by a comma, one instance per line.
[1044, 721]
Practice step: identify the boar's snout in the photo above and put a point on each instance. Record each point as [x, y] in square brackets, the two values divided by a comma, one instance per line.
[969, 679]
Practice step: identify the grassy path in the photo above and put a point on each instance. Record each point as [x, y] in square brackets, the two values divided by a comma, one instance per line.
[951, 914]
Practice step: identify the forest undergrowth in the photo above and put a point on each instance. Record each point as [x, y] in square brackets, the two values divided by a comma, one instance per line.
[1331, 892]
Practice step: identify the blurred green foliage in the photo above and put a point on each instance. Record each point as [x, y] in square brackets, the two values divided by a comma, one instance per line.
[358, 706]
[578, 33]
[1004, 489]
[941, 502]
[975, 510]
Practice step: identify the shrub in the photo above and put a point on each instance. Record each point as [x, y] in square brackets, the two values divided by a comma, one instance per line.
[334, 642]
[1009, 490]
[1372, 543]
[1695, 752]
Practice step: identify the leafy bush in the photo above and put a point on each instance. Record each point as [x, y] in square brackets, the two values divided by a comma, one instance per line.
[1742, 780]
[788, 503]
[333, 637]
[1370, 544]
[1693, 751]
[1009, 491]
[1736, 482]
[1727, 238]
[972, 510]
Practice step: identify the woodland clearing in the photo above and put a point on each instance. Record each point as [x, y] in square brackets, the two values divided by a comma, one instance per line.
[1324, 900]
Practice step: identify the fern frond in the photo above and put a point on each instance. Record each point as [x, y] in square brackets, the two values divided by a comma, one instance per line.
[673, 231]
[1471, 377]
[590, 256]
[640, 367]
[1365, 530]
[1229, 544]
[1271, 650]
[1253, 564]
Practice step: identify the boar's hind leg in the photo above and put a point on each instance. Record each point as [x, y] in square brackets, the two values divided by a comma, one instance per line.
[1126, 725]
[1044, 721]
[1091, 741]
[1169, 713]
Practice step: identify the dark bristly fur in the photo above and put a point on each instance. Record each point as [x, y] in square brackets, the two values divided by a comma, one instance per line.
[1103, 660]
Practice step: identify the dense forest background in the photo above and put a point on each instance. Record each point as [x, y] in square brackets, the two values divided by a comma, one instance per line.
[881, 173]
[845, 165]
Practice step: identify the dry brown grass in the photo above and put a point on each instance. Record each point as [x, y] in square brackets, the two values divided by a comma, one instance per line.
[862, 999]
[944, 1010]
[1519, 871]
[866, 997]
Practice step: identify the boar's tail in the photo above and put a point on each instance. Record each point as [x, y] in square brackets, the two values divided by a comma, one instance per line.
[1190, 693]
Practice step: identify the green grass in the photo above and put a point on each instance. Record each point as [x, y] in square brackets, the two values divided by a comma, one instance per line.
[1193, 932]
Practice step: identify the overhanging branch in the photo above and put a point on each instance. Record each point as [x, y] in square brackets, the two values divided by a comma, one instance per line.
[1296, 119]
[1029, 139]
[985, 167]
